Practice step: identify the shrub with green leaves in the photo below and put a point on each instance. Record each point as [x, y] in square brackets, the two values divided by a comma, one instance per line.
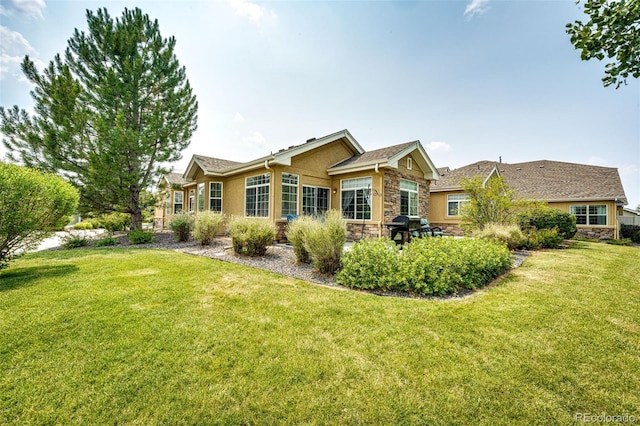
[540, 216]
[73, 240]
[114, 222]
[251, 237]
[630, 231]
[296, 231]
[426, 266]
[83, 225]
[140, 236]
[324, 241]
[32, 205]
[181, 225]
[511, 235]
[543, 238]
[109, 240]
[207, 225]
[372, 263]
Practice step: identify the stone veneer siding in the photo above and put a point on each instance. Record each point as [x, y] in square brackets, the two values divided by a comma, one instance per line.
[449, 229]
[392, 196]
[596, 233]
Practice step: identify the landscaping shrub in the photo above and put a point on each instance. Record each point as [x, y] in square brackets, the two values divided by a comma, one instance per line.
[140, 236]
[73, 240]
[109, 240]
[511, 235]
[324, 241]
[296, 236]
[540, 216]
[426, 266]
[543, 238]
[630, 231]
[251, 237]
[181, 225]
[83, 225]
[113, 222]
[206, 227]
[372, 263]
[32, 206]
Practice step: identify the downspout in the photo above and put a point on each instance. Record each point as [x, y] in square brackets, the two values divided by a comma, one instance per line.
[272, 194]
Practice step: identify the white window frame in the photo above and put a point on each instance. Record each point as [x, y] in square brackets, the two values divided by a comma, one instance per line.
[459, 200]
[314, 208]
[201, 197]
[192, 200]
[588, 214]
[212, 198]
[176, 203]
[167, 204]
[412, 195]
[290, 186]
[262, 190]
[361, 198]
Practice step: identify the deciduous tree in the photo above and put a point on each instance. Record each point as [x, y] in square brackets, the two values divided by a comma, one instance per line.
[613, 31]
[490, 201]
[108, 113]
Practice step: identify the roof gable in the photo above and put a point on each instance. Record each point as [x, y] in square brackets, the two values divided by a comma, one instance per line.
[387, 157]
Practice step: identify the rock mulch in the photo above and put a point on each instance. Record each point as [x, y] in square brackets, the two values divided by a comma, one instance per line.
[279, 258]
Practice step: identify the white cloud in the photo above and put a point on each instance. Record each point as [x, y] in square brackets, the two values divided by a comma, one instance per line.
[238, 118]
[256, 138]
[438, 146]
[29, 8]
[253, 11]
[476, 7]
[13, 49]
[597, 161]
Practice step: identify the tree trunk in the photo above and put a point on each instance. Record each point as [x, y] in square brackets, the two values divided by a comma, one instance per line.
[134, 208]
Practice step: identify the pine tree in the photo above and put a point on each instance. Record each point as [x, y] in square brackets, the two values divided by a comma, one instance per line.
[108, 114]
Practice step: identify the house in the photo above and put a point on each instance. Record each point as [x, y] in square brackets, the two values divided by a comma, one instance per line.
[593, 194]
[331, 172]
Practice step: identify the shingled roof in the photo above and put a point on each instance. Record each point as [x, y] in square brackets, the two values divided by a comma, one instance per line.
[174, 178]
[377, 155]
[210, 164]
[543, 180]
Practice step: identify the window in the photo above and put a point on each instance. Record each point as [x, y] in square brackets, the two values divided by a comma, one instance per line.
[201, 197]
[215, 196]
[455, 202]
[409, 163]
[408, 198]
[192, 200]
[356, 198]
[315, 200]
[167, 204]
[289, 194]
[257, 195]
[177, 202]
[590, 215]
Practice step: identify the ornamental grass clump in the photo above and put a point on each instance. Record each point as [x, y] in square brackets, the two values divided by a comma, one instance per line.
[251, 237]
[296, 231]
[207, 225]
[324, 240]
[511, 235]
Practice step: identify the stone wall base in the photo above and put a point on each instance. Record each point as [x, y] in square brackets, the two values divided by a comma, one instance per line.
[596, 233]
[449, 229]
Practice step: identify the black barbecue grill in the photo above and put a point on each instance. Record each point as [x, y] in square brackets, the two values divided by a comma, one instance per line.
[403, 228]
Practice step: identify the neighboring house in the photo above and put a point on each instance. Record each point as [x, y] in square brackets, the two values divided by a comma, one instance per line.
[171, 199]
[331, 172]
[593, 194]
[629, 217]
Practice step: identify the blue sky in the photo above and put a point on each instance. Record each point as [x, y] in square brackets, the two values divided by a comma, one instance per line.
[472, 80]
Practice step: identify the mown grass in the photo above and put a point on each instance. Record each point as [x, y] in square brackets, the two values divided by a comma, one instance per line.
[156, 337]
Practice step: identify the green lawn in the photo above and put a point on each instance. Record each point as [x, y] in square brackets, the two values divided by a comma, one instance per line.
[156, 337]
